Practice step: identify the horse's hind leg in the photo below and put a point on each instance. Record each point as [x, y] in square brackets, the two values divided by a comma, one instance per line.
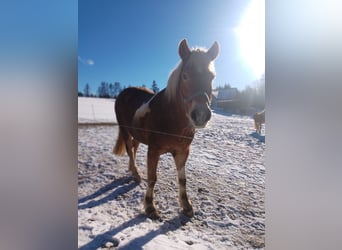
[131, 148]
[180, 160]
[152, 163]
[257, 127]
[135, 145]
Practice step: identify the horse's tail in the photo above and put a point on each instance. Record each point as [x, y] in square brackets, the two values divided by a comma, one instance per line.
[120, 146]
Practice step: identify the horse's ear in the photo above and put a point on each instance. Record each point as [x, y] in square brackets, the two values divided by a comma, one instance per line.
[184, 50]
[213, 51]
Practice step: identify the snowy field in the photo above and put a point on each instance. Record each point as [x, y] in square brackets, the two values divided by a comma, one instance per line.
[225, 182]
[95, 110]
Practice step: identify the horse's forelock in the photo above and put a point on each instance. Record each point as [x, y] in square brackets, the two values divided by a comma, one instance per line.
[172, 84]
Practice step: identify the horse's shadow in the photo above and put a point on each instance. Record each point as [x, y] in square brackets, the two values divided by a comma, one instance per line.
[126, 184]
[139, 242]
[258, 136]
[121, 186]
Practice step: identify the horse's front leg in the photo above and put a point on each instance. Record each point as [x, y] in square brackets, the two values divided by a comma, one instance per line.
[180, 160]
[152, 163]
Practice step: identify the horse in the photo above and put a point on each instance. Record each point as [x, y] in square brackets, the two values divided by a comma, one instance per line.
[166, 121]
[259, 119]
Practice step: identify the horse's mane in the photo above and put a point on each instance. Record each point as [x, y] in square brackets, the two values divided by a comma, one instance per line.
[172, 83]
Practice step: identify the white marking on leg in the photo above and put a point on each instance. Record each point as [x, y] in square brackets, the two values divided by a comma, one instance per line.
[182, 185]
[181, 173]
[149, 192]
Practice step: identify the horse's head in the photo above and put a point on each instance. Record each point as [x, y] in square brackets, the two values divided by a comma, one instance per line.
[195, 81]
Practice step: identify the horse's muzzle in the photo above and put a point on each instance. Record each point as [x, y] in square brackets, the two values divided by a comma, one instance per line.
[200, 115]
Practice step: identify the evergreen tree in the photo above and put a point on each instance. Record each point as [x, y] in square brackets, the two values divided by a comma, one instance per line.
[227, 86]
[117, 89]
[87, 90]
[111, 90]
[155, 87]
[103, 90]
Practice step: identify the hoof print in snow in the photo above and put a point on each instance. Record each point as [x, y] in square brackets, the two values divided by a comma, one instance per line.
[202, 190]
[189, 242]
[110, 243]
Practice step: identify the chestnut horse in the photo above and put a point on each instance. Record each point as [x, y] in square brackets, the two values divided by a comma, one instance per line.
[166, 121]
[259, 119]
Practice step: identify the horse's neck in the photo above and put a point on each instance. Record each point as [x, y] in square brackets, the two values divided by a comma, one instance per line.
[177, 112]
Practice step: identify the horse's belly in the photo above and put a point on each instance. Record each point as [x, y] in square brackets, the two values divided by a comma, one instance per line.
[140, 135]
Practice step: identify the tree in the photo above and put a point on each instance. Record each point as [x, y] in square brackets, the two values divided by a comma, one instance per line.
[87, 90]
[117, 89]
[111, 90]
[227, 86]
[155, 87]
[253, 98]
[103, 90]
[260, 93]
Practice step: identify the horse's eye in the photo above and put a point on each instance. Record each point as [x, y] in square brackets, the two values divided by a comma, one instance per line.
[185, 76]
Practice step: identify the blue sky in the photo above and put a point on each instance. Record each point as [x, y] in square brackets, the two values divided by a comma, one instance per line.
[135, 42]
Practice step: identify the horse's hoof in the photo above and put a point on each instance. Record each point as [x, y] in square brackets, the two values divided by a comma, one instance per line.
[154, 216]
[152, 213]
[189, 212]
[137, 178]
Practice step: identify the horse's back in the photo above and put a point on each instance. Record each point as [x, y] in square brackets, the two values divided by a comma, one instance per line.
[128, 101]
[262, 116]
[259, 116]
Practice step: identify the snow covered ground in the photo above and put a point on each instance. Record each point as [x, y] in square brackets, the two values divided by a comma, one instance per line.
[225, 182]
[95, 110]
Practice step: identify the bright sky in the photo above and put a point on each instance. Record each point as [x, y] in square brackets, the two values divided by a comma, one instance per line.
[135, 42]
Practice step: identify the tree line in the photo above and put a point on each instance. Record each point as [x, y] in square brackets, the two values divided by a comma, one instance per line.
[110, 90]
[245, 100]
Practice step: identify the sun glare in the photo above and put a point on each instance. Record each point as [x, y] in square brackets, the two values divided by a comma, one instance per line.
[251, 33]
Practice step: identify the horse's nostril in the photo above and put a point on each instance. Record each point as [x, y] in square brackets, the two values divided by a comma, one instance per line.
[200, 116]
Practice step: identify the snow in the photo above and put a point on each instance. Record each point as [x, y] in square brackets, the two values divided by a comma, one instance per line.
[96, 110]
[225, 182]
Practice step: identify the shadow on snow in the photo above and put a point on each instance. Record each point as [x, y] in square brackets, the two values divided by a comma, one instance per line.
[256, 135]
[120, 187]
[139, 242]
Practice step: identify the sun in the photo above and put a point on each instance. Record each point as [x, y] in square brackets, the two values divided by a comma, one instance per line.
[251, 33]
